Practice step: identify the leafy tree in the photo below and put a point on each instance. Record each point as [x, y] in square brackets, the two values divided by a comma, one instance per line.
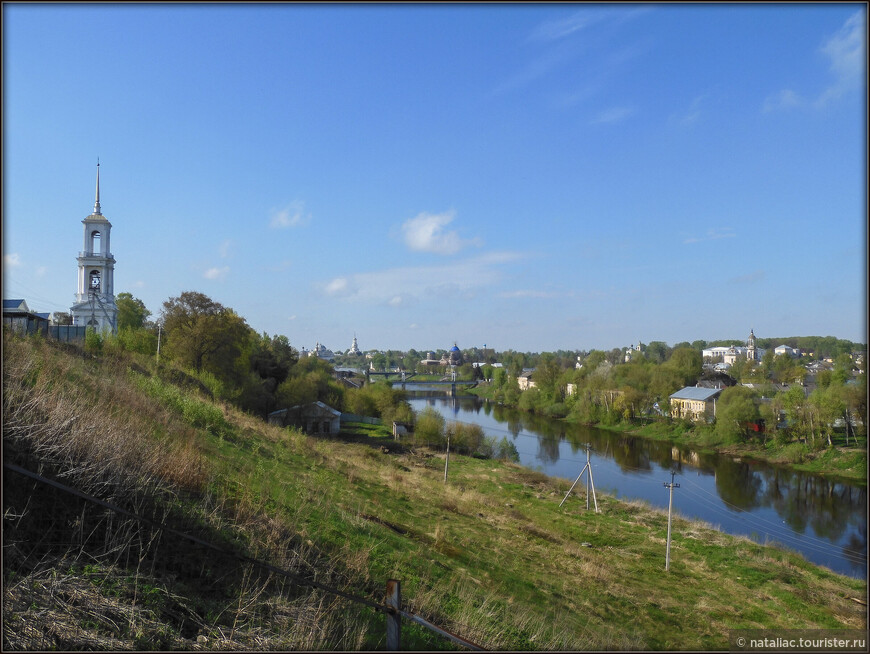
[735, 409]
[657, 351]
[203, 334]
[827, 405]
[131, 311]
[62, 318]
[687, 363]
[429, 427]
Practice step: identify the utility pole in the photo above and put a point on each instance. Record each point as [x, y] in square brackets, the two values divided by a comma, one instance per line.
[587, 468]
[670, 486]
[447, 460]
[159, 326]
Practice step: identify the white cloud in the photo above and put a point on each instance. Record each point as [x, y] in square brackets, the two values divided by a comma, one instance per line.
[847, 51]
[557, 29]
[612, 115]
[216, 273]
[711, 235]
[399, 287]
[529, 293]
[426, 233]
[693, 113]
[337, 286]
[748, 278]
[785, 99]
[577, 22]
[12, 260]
[847, 54]
[224, 248]
[293, 215]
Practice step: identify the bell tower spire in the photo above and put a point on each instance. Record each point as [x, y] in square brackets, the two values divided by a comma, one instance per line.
[95, 294]
[97, 201]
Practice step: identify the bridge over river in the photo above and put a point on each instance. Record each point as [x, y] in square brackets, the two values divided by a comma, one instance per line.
[409, 379]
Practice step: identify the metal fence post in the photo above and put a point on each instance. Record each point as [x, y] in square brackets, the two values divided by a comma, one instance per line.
[394, 619]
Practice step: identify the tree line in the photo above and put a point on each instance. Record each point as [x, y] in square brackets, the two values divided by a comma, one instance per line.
[262, 372]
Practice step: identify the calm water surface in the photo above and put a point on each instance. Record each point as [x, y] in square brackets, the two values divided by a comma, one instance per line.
[824, 520]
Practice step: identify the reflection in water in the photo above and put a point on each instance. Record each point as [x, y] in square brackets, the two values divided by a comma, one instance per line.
[825, 520]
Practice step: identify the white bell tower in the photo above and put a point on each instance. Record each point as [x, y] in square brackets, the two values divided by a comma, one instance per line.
[95, 297]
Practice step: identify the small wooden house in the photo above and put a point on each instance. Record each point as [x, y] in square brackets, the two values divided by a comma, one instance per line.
[313, 418]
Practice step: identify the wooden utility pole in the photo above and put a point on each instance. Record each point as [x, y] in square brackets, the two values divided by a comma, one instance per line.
[447, 460]
[671, 486]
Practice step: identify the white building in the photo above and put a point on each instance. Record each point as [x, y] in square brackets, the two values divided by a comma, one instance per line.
[354, 348]
[730, 353]
[785, 349]
[322, 352]
[95, 298]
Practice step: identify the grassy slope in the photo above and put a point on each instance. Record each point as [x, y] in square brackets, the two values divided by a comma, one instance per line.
[489, 555]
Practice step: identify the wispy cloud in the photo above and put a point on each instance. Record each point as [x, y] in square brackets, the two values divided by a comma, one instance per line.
[782, 100]
[612, 116]
[426, 233]
[224, 248]
[529, 293]
[12, 260]
[554, 30]
[216, 273]
[748, 278]
[846, 52]
[397, 287]
[561, 41]
[280, 266]
[293, 215]
[711, 235]
[696, 109]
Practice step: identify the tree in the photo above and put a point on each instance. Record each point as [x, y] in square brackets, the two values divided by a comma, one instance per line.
[203, 334]
[429, 426]
[686, 362]
[61, 318]
[657, 351]
[735, 410]
[132, 313]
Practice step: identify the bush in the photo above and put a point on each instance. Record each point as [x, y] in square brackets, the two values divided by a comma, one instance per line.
[557, 410]
[465, 438]
[429, 427]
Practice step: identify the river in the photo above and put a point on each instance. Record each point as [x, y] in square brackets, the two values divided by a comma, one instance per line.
[824, 520]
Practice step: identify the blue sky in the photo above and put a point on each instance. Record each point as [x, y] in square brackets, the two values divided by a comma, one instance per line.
[529, 177]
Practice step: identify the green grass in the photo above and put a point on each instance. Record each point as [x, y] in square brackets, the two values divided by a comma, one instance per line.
[489, 554]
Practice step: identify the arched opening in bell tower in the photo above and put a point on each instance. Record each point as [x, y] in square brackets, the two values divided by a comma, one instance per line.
[94, 246]
[95, 280]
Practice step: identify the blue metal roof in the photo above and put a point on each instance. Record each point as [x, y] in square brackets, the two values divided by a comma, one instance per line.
[695, 393]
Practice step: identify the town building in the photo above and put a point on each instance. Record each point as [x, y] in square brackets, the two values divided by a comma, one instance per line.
[312, 418]
[694, 402]
[452, 357]
[19, 318]
[730, 353]
[354, 348]
[321, 352]
[95, 296]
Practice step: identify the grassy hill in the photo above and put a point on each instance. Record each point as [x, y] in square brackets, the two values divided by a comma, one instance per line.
[489, 555]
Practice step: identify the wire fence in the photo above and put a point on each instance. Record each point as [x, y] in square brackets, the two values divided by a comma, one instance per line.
[89, 570]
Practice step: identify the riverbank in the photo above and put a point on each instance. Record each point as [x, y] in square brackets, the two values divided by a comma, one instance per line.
[838, 463]
[841, 462]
